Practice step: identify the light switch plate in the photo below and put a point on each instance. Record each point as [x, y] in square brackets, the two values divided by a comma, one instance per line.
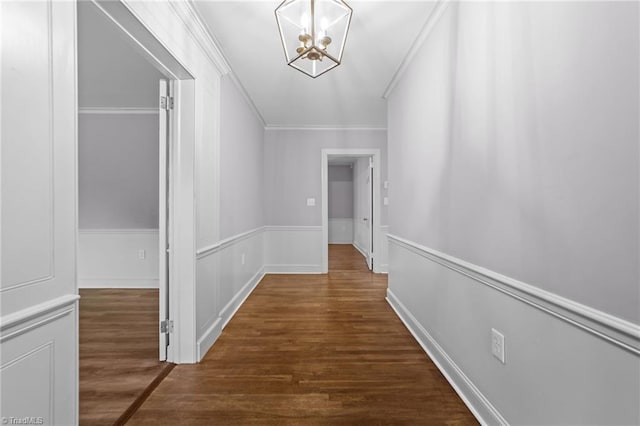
[311, 202]
[386, 184]
[385, 201]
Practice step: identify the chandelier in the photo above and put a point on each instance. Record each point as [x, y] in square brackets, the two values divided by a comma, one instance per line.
[313, 33]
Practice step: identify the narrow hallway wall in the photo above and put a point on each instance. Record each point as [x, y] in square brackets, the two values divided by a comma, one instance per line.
[513, 165]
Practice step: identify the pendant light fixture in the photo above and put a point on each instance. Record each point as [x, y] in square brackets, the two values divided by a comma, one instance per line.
[313, 33]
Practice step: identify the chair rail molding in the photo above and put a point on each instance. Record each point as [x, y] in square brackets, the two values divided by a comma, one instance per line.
[615, 330]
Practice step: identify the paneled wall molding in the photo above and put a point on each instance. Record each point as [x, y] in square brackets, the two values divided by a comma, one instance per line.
[383, 255]
[110, 258]
[431, 22]
[34, 314]
[615, 330]
[479, 405]
[293, 250]
[222, 244]
[117, 110]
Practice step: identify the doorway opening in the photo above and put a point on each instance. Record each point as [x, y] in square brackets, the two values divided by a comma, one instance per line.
[350, 202]
[126, 135]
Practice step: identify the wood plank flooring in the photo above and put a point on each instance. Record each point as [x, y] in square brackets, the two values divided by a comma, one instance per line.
[310, 349]
[118, 351]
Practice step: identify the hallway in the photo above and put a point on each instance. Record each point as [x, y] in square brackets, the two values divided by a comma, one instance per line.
[310, 349]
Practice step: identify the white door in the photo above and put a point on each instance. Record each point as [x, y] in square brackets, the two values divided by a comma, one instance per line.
[165, 106]
[38, 291]
[370, 215]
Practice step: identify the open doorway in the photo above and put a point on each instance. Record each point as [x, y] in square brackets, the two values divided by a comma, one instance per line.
[125, 128]
[350, 202]
[350, 212]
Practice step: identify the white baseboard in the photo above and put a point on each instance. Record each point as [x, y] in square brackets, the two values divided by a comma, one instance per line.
[464, 387]
[361, 250]
[118, 283]
[293, 269]
[206, 341]
[234, 304]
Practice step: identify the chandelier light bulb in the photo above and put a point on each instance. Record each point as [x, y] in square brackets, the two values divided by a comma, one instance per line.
[304, 27]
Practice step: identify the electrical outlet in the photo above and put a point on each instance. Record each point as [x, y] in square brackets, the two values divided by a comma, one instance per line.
[497, 344]
[142, 254]
[242, 258]
[311, 202]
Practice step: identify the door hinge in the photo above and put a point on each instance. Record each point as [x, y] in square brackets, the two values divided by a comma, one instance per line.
[166, 326]
[166, 102]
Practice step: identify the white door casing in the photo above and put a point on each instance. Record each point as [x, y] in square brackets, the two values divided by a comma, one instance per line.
[326, 154]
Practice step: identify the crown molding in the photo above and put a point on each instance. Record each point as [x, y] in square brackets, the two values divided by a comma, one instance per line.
[247, 98]
[208, 42]
[192, 21]
[430, 23]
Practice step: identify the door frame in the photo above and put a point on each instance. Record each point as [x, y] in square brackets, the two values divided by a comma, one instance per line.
[182, 136]
[375, 222]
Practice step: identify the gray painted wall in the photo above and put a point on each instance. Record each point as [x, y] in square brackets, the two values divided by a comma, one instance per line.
[292, 170]
[111, 73]
[118, 171]
[513, 145]
[241, 164]
[340, 191]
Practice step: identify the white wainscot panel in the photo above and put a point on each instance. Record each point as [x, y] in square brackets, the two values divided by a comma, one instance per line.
[560, 368]
[381, 260]
[340, 231]
[226, 274]
[118, 258]
[38, 365]
[27, 145]
[293, 249]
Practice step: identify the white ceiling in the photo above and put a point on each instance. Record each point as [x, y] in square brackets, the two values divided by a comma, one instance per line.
[350, 95]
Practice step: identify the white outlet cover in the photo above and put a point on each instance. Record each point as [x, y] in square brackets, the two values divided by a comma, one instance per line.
[386, 184]
[311, 202]
[385, 201]
[497, 345]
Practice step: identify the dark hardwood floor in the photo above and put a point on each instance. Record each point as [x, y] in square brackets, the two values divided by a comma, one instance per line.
[310, 349]
[118, 352]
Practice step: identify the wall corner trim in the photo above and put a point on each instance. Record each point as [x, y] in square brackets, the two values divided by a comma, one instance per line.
[477, 403]
[428, 26]
[615, 330]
